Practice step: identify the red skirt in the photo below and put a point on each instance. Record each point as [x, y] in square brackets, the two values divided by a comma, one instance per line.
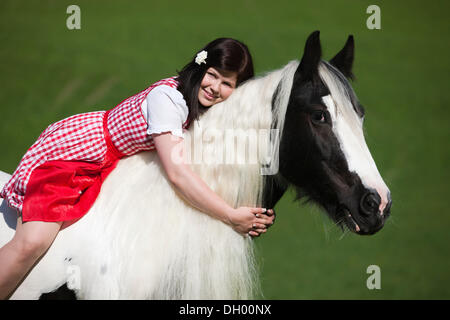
[64, 190]
[61, 190]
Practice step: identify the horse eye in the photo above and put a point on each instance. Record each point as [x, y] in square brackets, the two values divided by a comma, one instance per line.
[318, 116]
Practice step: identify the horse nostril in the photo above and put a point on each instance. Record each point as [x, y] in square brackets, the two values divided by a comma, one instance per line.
[370, 203]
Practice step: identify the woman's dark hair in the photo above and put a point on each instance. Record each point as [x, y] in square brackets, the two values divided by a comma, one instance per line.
[224, 54]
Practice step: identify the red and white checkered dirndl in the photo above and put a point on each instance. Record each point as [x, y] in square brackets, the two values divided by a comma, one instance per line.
[127, 124]
[59, 177]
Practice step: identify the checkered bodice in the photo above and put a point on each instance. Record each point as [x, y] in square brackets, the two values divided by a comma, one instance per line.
[127, 125]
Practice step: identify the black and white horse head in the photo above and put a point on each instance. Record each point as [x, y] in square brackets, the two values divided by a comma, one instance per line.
[323, 152]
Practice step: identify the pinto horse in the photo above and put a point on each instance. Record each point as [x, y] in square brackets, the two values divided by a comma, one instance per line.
[140, 240]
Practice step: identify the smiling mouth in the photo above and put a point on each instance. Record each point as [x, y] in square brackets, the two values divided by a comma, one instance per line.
[349, 221]
[208, 95]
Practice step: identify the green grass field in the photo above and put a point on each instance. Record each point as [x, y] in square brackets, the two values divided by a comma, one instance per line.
[49, 72]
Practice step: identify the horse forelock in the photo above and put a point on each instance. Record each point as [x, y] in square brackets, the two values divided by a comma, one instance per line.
[345, 100]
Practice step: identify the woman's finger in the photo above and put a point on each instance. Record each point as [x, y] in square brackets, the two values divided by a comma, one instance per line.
[253, 234]
[261, 231]
[265, 221]
[271, 213]
[259, 211]
[259, 226]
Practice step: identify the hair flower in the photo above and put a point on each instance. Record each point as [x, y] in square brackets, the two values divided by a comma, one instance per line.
[201, 57]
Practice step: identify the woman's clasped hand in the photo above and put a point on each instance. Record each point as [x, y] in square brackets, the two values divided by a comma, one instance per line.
[250, 221]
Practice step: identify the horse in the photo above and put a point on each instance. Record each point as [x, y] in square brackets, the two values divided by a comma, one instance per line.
[141, 240]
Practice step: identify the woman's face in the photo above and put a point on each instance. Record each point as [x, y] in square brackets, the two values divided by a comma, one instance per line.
[216, 86]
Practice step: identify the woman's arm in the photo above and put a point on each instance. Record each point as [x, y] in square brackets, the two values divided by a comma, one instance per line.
[198, 193]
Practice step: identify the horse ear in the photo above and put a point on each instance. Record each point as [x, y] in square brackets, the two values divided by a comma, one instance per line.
[311, 57]
[343, 61]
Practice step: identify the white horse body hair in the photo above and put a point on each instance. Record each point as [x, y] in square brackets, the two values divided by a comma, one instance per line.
[140, 240]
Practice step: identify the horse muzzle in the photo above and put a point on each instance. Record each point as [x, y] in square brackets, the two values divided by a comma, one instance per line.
[368, 215]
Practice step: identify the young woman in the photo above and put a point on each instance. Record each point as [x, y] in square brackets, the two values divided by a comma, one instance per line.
[60, 176]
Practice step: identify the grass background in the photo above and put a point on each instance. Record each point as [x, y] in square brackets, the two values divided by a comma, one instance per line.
[48, 72]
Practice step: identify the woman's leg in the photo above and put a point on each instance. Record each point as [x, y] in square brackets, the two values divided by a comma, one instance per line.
[30, 242]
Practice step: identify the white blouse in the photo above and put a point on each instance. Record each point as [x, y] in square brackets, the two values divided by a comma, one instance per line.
[165, 110]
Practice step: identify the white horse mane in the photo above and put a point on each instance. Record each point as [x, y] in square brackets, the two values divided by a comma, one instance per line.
[246, 111]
